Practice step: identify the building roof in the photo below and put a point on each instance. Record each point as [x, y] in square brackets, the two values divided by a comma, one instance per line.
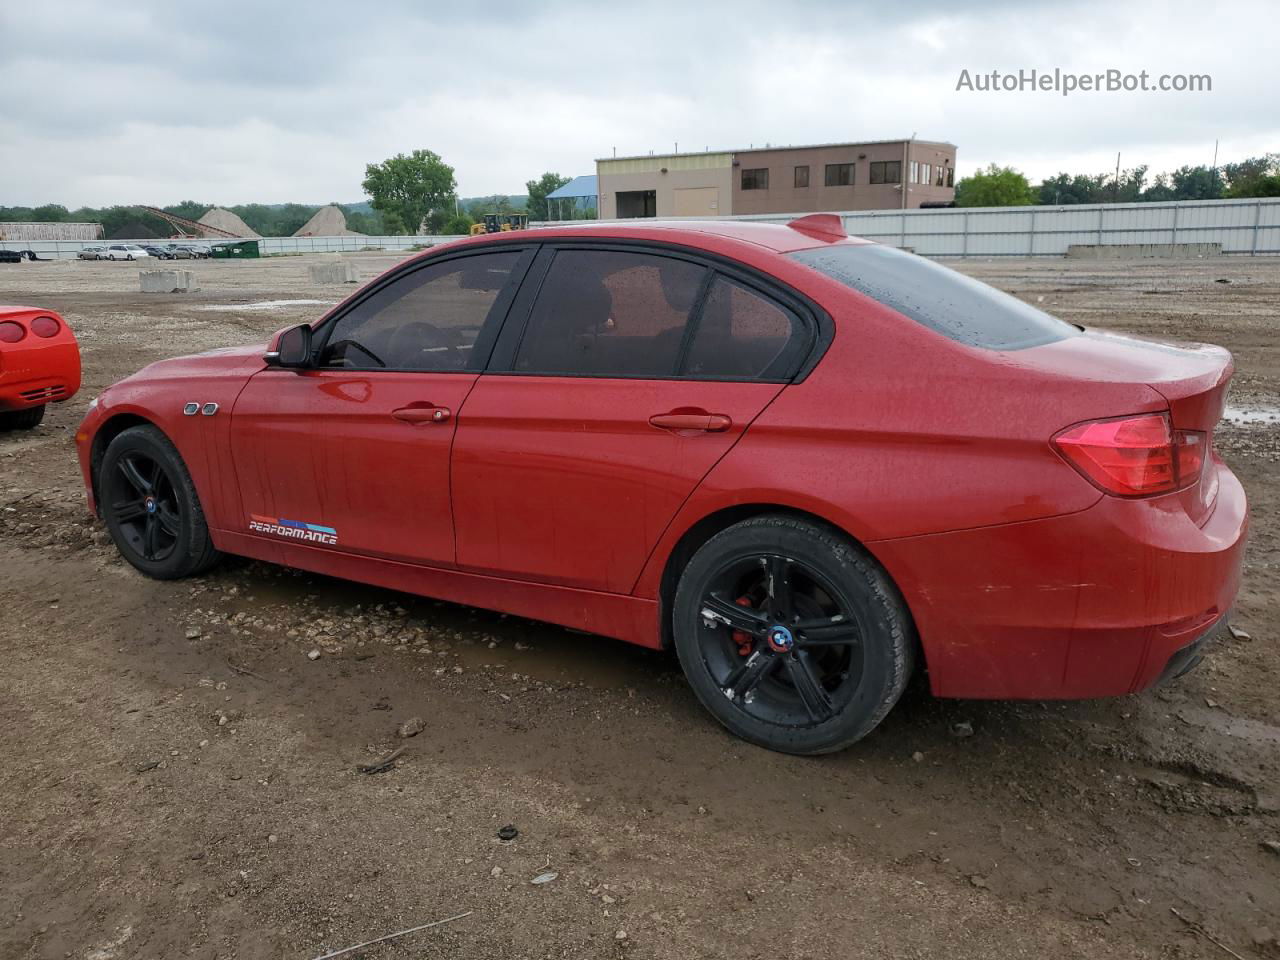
[783, 146]
[577, 187]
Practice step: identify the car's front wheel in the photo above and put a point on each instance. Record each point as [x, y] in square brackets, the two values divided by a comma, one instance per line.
[151, 507]
[792, 636]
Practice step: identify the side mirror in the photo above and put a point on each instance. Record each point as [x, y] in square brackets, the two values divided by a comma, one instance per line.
[290, 348]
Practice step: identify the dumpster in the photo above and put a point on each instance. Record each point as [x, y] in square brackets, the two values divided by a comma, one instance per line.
[235, 249]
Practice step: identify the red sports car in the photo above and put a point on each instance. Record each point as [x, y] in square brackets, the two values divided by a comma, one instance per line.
[39, 364]
[806, 462]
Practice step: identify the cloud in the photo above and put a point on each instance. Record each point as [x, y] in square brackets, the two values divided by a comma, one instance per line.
[237, 102]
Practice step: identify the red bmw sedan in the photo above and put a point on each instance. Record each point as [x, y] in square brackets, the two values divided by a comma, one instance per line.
[808, 463]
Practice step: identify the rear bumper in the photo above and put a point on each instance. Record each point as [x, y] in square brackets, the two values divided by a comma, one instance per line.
[1096, 603]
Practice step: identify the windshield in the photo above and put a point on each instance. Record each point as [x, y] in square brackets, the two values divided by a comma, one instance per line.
[944, 300]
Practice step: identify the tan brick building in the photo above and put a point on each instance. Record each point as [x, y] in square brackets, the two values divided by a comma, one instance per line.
[833, 176]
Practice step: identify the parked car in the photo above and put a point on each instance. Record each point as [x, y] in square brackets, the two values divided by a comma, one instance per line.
[39, 364]
[179, 252]
[806, 462]
[198, 251]
[160, 253]
[123, 251]
[91, 253]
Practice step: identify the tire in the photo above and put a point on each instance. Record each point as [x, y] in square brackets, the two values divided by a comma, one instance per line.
[129, 257]
[151, 507]
[791, 635]
[27, 419]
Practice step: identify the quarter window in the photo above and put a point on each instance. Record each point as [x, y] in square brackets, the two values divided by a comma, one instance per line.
[608, 313]
[839, 175]
[427, 320]
[741, 334]
[756, 179]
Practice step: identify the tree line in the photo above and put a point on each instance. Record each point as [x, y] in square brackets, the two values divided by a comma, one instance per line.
[997, 186]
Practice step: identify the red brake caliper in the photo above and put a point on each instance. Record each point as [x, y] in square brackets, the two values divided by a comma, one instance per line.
[741, 637]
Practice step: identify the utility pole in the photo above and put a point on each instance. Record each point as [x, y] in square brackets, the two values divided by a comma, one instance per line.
[1115, 196]
[906, 168]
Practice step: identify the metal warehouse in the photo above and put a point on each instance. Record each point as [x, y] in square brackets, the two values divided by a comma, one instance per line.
[875, 175]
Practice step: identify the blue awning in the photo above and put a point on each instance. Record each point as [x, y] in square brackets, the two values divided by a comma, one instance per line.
[575, 188]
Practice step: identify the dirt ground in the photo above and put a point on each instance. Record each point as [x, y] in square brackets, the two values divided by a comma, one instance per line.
[179, 778]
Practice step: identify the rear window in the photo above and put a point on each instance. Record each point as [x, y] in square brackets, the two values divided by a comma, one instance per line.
[959, 307]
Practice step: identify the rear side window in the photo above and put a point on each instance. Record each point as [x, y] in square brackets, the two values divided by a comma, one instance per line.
[741, 334]
[608, 313]
[944, 300]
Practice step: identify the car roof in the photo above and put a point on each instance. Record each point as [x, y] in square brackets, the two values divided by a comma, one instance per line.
[778, 237]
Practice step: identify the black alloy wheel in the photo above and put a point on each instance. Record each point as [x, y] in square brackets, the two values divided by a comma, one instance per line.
[150, 505]
[791, 635]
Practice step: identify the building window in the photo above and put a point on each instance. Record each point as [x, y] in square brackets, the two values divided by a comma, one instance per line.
[886, 171]
[757, 179]
[942, 176]
[926, 173]
[915, 171]
[802, 177]
[839, 175]
[951, 176]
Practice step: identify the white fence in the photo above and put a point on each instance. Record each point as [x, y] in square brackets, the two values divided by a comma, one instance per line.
[1247, 227]
[269, 246]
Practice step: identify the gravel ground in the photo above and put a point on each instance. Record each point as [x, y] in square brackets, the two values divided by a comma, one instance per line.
[180, 777]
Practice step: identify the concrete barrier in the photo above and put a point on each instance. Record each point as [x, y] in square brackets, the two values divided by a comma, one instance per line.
[167, 281]
[1143, 251]
[337, 271]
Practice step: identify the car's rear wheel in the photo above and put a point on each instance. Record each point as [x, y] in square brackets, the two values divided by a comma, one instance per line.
[151, 508]
[26, 419]
[792, 636]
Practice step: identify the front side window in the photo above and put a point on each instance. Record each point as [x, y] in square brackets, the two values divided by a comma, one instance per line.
[427, 320]
[609, 313]
[839, 175]
[757, 179]
[944, 300]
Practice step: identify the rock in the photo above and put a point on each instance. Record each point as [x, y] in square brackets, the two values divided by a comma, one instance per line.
[495, 872]
[1239, 634]
[313, 655]
[272, 838]
[620, 935]
[918, 757]
[411, 728]
[1272, 845]
[962, 729]
[544, 878]
[508, 833]
[193, 633]
[979, 881]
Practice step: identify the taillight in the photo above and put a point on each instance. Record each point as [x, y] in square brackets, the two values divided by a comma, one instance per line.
[11, 332]
[45, 327]
[1134, 456]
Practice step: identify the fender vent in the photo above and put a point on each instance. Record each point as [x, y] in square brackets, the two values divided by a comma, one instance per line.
[44, 393]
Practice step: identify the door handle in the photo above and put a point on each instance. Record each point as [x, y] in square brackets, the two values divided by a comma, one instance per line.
[692, 420]
[427, 414]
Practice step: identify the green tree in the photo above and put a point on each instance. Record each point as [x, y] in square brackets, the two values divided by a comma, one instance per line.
[416, 188]
[1196, 183]
[538, 190]
[50, 212]
[994, 187]
[189, 209]
[457, 224]
[1255, 177]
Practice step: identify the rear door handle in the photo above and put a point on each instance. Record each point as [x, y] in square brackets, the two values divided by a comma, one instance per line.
[427, 414]
[700, 420]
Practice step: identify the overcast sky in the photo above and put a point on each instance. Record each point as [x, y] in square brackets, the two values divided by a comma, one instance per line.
[229, 102]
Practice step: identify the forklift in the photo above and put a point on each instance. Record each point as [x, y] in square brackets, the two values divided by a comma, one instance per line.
[500, 223]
